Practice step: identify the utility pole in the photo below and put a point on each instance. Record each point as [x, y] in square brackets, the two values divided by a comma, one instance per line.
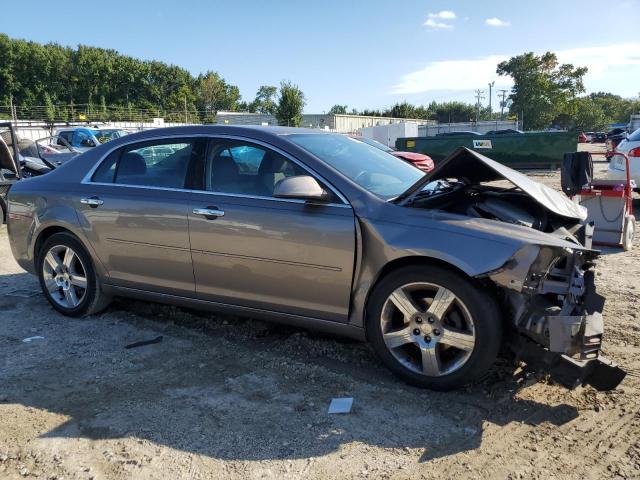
[491, 84]
[503, 103]
[479, 97]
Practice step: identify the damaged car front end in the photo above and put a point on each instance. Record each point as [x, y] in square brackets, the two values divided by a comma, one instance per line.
[546, 290]
[549, 297]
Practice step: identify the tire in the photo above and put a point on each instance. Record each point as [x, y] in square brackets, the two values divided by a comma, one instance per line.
[425, 344]
[3, 213]
[62, 277]
[628, 232]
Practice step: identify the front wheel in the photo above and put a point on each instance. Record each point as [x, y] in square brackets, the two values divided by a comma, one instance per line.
[433, 327]
[67, 277]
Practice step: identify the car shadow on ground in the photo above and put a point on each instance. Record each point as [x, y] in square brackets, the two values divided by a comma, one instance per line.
[234, 389]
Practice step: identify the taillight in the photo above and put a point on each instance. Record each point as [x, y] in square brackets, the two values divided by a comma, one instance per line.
[635, 152]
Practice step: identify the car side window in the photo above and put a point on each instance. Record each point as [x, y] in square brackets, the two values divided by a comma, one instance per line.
[243, 168]
[81, 139]
[150, 164]
[66, 136]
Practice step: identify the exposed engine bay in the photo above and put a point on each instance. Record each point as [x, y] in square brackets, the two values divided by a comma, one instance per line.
[509, 205]
[547, 292]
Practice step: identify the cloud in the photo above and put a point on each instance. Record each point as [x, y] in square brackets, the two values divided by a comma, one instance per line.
[607, 64]
[496, 22]
[437, 25]
[432, 21]
[443, 15]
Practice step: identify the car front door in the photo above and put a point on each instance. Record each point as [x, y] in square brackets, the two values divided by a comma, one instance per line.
[254, 250]
[134, 209]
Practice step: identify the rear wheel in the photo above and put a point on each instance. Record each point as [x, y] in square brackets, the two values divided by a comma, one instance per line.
[67, 277]
[433, 327]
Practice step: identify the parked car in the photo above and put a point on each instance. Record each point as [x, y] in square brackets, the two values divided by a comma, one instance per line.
[418, 160]
[614, 137]
[14, 165]
[438, 271]
[84, 138]
[582, 138]
[617, 167]
[457, 134]
[505, 131]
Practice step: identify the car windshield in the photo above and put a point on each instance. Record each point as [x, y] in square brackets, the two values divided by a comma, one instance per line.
[374, 143]
[378, 172]
[105, 135]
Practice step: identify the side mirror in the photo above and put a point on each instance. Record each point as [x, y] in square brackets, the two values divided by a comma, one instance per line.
[300, 187]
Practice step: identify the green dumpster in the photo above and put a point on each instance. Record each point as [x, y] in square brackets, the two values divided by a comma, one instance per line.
[516, 150]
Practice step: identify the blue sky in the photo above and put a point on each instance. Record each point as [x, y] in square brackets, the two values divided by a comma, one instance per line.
[359, 53]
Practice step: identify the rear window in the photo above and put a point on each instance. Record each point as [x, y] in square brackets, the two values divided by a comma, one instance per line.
[635, 136]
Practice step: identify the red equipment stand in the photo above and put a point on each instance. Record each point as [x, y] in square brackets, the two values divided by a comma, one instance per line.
[610, 207]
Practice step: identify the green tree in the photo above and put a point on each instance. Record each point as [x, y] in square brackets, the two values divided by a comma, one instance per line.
[451, 112]
[401, 110]
[589, 115]
[543, 88]
[338, 110]
[49, 109]
[291, 102]
[265, 101]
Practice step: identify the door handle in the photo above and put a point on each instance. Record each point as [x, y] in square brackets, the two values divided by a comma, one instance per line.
[93, 202]
[209, 212]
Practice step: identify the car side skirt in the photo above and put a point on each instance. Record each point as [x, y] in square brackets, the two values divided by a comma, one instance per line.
[335, 328]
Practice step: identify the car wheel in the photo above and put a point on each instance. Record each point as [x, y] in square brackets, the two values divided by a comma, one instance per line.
[432, 327]
[67, 277]
[628, 232]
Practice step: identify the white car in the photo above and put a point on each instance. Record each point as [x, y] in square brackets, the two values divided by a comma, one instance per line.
[631, 148]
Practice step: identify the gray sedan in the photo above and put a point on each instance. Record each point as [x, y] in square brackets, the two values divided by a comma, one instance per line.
[439, 272]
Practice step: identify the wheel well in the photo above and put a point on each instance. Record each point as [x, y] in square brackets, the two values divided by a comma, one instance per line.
[413, 261]
[44, 235]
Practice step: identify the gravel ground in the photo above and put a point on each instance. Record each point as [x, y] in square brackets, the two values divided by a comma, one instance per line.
[226, 397]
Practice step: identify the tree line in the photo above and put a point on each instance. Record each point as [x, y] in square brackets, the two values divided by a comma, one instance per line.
[65, 84]
[87, 83]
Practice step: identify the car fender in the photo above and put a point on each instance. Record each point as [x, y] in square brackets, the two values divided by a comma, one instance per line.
[464, 252]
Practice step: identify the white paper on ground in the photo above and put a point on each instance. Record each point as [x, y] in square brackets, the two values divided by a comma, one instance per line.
[341, 405]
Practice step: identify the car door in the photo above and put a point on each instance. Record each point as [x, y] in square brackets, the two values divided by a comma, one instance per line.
[134, 209]
[254, 250]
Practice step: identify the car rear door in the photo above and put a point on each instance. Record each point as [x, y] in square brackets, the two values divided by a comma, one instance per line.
[254, 250]
[134, 209]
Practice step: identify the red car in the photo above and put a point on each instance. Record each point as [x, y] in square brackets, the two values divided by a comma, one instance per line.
[418, 160]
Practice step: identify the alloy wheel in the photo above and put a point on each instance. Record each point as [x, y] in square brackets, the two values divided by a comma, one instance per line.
[64, 276]
[428, 329]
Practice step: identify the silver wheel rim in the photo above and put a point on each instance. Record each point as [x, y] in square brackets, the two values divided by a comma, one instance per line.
[428, 329]
[64, 276]
[630, 231]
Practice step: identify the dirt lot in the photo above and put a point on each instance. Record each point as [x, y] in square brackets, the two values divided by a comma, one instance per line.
[224, 397]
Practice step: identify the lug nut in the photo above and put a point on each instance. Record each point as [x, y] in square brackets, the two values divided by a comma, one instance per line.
[436, 332]
[427, 339]
[416, 331]
[431, 320]
[418, 319]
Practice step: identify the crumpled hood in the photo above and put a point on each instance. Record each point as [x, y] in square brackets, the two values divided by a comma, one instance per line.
[476, 168]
